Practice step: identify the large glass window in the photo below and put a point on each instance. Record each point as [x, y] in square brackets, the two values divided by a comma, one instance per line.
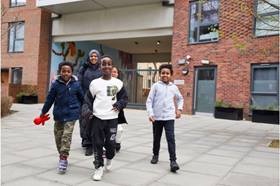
[265, 81]
[16, 75]
[16, 37]
[14, 3]
[267, 18]
[204, 21]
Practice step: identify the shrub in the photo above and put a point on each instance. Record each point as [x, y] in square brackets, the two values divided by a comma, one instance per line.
[6, 104]
[27, 92]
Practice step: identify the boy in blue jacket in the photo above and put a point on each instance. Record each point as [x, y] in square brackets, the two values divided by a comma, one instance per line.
[67, 96]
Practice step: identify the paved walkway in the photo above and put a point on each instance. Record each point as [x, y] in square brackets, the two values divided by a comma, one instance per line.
[210, 152]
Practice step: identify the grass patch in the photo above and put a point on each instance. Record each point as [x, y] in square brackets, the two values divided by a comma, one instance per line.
[274, 143]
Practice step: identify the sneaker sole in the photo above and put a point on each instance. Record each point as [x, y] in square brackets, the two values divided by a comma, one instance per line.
[61, 171]
[174, 169]
[154, 162]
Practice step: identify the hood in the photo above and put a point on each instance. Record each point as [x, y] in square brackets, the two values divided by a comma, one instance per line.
[88, 63]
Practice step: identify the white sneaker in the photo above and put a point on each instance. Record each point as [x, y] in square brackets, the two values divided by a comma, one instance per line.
[98, 174]
[108, 165]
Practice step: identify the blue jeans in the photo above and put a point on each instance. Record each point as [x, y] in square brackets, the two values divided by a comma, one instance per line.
[170, 137]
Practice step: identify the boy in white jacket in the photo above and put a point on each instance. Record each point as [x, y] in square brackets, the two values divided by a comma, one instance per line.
[162, 113]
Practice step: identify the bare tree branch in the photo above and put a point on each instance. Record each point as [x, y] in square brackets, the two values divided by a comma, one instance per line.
[271, 4]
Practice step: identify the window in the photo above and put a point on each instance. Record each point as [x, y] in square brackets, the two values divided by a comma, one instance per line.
[265, 81]
[16, 37]
[204, 21]
[14, 3]
[16, 75]
[267, 18]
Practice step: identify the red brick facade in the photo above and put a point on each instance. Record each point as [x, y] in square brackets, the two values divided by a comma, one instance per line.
[34, 60]
[233, 54]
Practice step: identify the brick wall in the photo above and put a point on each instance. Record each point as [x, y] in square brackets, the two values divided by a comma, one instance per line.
[233, 54]
[36, 43]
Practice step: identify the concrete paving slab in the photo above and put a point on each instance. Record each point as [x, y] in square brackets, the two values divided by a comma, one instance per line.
[239, 179]
[206, 168]
[274, 162]
[18, 171]
[91, 182]
[127, 177]
[222, 160]
[33, 181]
[257, 170]
[260, 154]
[73, 176]
[227, 153]
[9, 158]
[209, 151]
[188, 179]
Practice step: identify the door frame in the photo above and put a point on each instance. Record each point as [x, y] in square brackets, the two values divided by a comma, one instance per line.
[194, 100]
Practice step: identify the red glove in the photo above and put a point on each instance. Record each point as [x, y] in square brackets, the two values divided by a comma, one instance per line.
[41, 119]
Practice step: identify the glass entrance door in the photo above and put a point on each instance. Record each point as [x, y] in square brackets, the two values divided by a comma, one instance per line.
[205, 89]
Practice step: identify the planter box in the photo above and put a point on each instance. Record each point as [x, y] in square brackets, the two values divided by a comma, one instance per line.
[265, 116]
[29, 99]
[229, 113]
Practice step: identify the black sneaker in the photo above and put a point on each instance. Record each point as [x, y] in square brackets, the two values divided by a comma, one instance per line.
[174, 166]
[154, 159]
[118, 147]
[89, 151]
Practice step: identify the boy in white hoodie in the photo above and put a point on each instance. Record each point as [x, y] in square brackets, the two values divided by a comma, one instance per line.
[162, 113]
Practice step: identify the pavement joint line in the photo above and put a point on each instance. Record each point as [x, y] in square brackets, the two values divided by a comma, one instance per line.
[252, 138]
[26, 176]
[234, 166]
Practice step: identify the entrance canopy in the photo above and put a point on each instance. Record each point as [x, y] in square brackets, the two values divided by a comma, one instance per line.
[132, 26]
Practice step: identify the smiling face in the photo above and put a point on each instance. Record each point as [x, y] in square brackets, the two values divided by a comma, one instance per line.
[115, 72]
[106, 67]
[165, 75]
[66, 73]
[93, 58]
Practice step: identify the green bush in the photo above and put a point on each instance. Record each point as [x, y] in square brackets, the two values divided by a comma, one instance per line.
[221, 103]
[6, 104]
[25, 93]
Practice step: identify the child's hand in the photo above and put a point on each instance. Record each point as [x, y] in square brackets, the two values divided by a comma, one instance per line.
[178, 114]
[152, 119]
[115, 109]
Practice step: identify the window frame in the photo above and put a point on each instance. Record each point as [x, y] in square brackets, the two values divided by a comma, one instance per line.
[16, 4]
[13, 25]
[258, 93]
[255, 17]
[189, 31]
[13, 69]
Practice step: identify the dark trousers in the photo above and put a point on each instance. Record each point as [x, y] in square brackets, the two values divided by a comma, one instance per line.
[170, 137]
[104, 135]
[85, 133]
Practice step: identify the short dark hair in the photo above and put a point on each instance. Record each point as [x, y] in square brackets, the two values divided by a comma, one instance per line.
[65, 63]
[168, 66]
